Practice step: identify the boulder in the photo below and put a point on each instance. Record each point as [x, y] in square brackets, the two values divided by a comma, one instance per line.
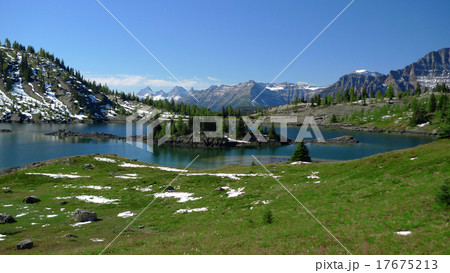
[68, 235]
[31, 200]
[25, 244]
[62, 203]
[83, 215]
[219, 189]
[7, 191]
[6, 218]
[170, 188]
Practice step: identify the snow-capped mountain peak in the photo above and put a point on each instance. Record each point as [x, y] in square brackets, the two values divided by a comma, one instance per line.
[366, 72]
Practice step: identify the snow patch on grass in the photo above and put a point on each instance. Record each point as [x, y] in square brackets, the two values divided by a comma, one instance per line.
[130, 165]
[80, 224]
[125, 214]
[97, 240]
[97, 199]
[162, 168]
[299, 163]
[104, 159]
[403, 233]
[423, 124]
[314, 175]
[92, 199]
[234, 176]
[127, 176]
[143, 189]
[191, 210]
[58, 175]
[181, 196]
[232, 192]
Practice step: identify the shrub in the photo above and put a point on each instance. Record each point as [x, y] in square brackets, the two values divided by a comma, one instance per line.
[444, 132]
[333, 119]
[268, 217]
[443, 195]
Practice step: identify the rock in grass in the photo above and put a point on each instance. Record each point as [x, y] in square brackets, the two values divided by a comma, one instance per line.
[31, 200]
[84, 215]
[62, 203]
[7, 191]
[219, 189]
[170, 188]
[6, 218]
[25, 244]
[68, 235]
[67, 161]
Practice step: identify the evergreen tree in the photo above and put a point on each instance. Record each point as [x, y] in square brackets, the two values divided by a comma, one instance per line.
[241, 128]
[364, 95]
[444, 132]
[346, 96]
[180, 127]
[442, 197]
[272, 134]
[352, 95]
[432, 104]
[389, 93]
[442, 103]
[333, 119]
[419, 115]
[417, 91]
[301, 153]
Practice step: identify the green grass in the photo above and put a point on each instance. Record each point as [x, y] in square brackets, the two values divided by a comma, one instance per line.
[362, 202]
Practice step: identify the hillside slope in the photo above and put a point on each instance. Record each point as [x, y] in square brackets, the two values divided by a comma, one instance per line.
[37, 87]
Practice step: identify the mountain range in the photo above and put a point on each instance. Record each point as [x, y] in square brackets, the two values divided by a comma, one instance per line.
[432, 69]
[176, 93]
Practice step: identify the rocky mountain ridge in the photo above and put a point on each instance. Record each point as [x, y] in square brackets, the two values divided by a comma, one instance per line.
[432, 69]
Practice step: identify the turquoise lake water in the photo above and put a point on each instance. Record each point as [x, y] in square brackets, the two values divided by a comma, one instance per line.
[28, 144]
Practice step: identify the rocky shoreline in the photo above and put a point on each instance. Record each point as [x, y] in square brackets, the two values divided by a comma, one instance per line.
[352, 127]
[336, 140]
[64, 133]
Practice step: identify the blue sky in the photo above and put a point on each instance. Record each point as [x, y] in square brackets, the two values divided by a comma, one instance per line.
[226, 42]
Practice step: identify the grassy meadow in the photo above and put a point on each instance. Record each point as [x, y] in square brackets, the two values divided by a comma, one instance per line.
[362, 202]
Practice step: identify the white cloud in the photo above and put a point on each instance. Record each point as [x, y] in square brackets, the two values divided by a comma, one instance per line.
[137, 81]
[213, 79]
[165, 83]
[119, 80]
